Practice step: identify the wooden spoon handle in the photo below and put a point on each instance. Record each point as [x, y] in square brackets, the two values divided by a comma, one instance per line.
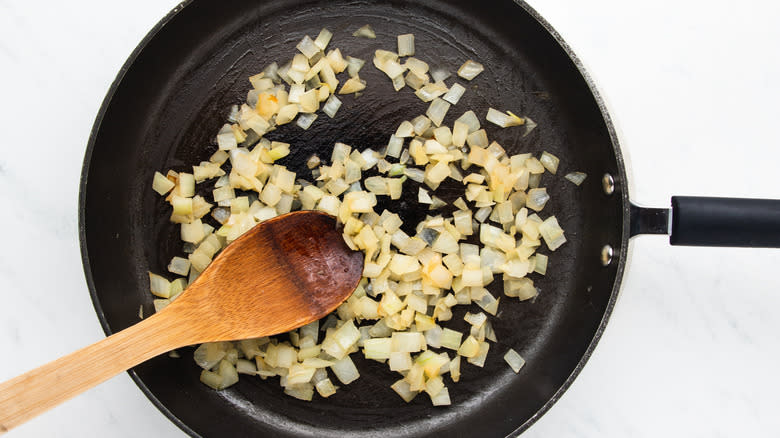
[39, 390]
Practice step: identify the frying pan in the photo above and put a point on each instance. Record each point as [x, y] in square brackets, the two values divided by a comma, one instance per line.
[172, 96]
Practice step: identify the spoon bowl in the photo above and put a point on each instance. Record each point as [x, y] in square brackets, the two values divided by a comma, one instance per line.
[282, 274]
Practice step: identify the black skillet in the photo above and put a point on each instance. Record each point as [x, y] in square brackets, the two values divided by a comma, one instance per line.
[174, 92]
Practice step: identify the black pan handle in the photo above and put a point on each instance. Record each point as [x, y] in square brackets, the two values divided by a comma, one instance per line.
[701, 221]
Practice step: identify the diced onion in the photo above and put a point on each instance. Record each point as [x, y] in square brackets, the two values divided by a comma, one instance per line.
[552, 233]
[308, 47]
[455, 93]
[331, 106]
[353, 85]
[515, 361]
[402, 388]
[576, 177]
[161, 184]
[406, 45]
[550, 162]
[365, 32]
[503, 120]
[471, 121]
[305, 120]
[354, 65]
[451, 339]
[412, 282]
[469, 347]
[437, 110]
[428, 92]
[537, 198]
[440, 74]
[470, 69]
[179, 266]
[418, 67]
[323, 39]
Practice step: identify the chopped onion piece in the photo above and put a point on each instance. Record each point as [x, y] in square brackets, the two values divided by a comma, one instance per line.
[393, 69]
[308, 47]
[179, 266]
[469, 347]
[407, 342]
[323, 39]
[514, 360]
[416, 175]
[503, 120]
[406, 45]
[437, 110]
[309, 102]
[460, 132]
[540, 264]
[159, 286]
[394, 146]
[576, 177]
[353, 85]
[475, 319]
[398, 82]
[470, 69]
[437, 203]
[529, 125]
[461, 204]
[415, 80]
[365, 32]
[440, 74]
[226, 140]
[354, 65]
[400, 361]
[303, 392]
[305, 120]
[377, 348]
[421, 124]
[325, 388]
[186, 184]
[471, 121]
[443, 135]
[418, 67]
[287, 114]
[455, 93]
[451, 339]
[552, 233]
[161, 184]
[192, 232]
[550, 162]
[428, 92]
[331, 106]
[210, 354]
[482, 214]
[536, 199]
[402, 388]
[479, 359]
[405, 129]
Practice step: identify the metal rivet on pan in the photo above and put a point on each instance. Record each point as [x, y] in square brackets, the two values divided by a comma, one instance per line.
[608, 183]
[606, 255]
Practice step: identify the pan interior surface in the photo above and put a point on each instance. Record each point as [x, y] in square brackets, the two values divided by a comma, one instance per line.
[174, 95]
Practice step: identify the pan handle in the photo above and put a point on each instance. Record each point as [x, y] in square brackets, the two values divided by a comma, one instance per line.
[702, 221]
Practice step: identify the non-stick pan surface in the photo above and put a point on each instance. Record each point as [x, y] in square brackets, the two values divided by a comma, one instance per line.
[174, 93]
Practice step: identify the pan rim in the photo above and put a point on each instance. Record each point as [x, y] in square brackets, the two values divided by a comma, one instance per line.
[622, 191]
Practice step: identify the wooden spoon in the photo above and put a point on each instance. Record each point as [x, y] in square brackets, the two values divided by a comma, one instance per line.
[283, 273]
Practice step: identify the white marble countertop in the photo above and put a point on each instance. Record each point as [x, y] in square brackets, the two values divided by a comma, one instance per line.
[693, 86]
